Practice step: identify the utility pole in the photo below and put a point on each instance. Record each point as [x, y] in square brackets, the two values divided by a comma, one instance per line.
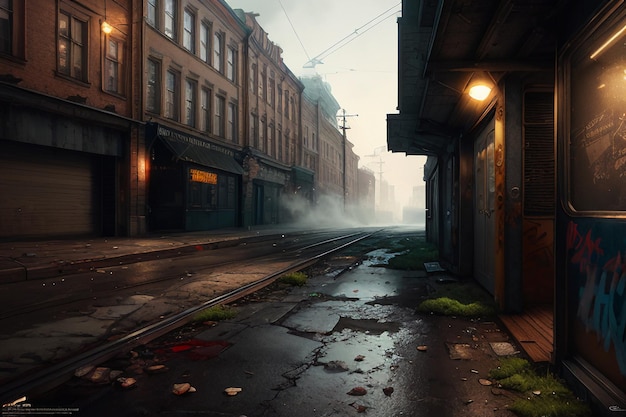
[343, 128]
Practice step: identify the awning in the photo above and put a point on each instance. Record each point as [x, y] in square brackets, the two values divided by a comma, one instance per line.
[199, 151]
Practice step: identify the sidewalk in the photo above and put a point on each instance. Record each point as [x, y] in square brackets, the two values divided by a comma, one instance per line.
[29, 260]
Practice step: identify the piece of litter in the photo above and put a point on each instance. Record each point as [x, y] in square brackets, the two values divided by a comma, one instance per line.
[232, 391]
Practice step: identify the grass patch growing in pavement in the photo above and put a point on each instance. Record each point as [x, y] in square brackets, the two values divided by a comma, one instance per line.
[543, 396]
[459, 299]
[413, 253]
[215, 313]
[297, 279]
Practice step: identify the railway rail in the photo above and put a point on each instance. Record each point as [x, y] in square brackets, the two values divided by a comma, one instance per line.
[287, 253]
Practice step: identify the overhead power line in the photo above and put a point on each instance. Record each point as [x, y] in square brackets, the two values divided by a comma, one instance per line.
[312, 62]
[294, 29]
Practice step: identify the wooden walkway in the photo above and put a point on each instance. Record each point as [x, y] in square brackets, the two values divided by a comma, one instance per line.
[532, 330]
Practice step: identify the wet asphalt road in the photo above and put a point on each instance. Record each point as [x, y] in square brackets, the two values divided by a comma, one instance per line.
[305, 351]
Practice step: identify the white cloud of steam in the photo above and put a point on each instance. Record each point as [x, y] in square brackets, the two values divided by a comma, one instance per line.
[328, 212]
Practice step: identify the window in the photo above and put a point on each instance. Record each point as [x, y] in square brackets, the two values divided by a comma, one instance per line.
[279, 105]
[170, 19]
[262, 134]
[231, 69]
[254, 79]
[292, 104]
[280, 144]
[597, 135]
[113, 69]
[271, 132]
[190, 103]
[6, 26]
[254, 130]
[287, 104]
[153, 103]
[151, 14]
[272, 86]
[218, 48]
[204, 41]
[72, 47]
[232, 122]
[171, 95]
[189, 31]
[220, 109]
[263, 84]
[205, 110]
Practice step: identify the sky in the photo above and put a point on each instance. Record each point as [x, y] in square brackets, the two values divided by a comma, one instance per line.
[358, 44]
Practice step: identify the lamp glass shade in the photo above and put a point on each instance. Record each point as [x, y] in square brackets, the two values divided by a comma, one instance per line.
[106, 28]
[479, 91]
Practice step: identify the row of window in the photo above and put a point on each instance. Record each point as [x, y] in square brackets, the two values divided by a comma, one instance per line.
[202, 108]
[267, 89]
[196, 37]
[73, 46]
[269, 138]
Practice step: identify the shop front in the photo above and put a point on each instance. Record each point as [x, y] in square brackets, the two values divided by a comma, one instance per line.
[63, 168]
[194, 184]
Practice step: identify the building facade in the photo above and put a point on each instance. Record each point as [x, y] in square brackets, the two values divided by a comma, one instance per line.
[272, 125]
[70, 136]
[524, 185]
[193, 102]
[124, 118]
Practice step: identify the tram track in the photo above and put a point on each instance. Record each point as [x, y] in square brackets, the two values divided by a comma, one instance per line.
[57, 373]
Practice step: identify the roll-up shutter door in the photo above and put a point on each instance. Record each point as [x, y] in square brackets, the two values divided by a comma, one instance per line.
[46, 192]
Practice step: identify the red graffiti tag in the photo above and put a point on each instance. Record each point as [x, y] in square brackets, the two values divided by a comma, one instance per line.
[585, 247]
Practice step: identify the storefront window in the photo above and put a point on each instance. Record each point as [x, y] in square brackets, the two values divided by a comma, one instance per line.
[597, 148]
[209, 190]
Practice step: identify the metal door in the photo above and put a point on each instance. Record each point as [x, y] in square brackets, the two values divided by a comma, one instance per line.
[484, 208]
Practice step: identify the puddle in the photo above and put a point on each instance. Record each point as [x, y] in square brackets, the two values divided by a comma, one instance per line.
[378, 257]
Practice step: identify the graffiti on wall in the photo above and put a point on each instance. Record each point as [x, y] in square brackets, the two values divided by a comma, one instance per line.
[602, 291]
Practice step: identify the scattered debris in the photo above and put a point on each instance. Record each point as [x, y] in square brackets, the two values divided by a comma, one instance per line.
[357, 391]
[485, 382]
[100, 375]
[467, 402]
[503, 348]
[83, 370]
[358, 407]
[183, 388]
[232, 391]
[388, 391]
[359, 358]
[422, 348]
[459, 351]
[126, 382]
[336, 366]
[155, 369]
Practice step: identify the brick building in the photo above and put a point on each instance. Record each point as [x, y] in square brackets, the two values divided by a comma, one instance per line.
[70, 133]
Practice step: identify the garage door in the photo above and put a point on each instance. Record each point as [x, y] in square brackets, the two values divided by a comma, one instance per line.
[46, 192]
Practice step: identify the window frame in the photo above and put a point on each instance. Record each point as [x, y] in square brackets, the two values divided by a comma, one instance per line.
[152, 13]
[232, 122]
[191, 100]
[172, 95]
[205, 42]
[205, 110]
[72, 44]
[156, 108]
[218, 51]
[170, 19]
[219, 115]
[118, 62]
[189, 30]
[231, 64]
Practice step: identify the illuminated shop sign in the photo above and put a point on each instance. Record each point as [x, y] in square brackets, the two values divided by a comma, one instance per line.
[202, 176]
